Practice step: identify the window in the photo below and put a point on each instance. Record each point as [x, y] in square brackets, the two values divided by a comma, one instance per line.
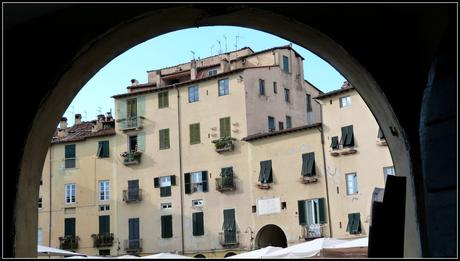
[104, 224]
[193, 95]
[283, 205]
[271, 123]
[133, 189]
[197, 203]
[131, 108]
[229, 226]
[40, 236]
[308, 164]
[261, 87]
[164, 139]
[104, 252]
[165, 206]
[212, 72]
[40, 203]
[309, 108]
[69, 191]
[195, 133]
[69, 227]
[265, 175]
[285, 64]
[196, 182]
[380, 134]
[388, 171]
[286, 95]
[103, 149]
[132, 143]
[223, 87]
[352, 183]
[70, 156]
[133, 233]
[280, 125]
[254, 208]
[335, 143]
[198, 223]
[163, 100]
[354, 223]
[312, 211]
[345, 101]
[166, 226]
[104, 207]
[104, 190]
[165, 183]
[288, 122]
[225, 127]
[275, 88]
[347, 139]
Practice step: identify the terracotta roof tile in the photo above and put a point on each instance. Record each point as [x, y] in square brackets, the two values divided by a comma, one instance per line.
[81, 132]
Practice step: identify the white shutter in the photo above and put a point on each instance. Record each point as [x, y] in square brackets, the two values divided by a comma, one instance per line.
[141, 141]
[121, 109]
[141, 106]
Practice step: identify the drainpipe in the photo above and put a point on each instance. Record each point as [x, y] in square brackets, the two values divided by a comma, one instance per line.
[180, 170]
[324, 166]
[51, 206]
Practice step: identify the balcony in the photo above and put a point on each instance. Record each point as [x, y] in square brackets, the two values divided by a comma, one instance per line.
[130, 123]
[68, 242]
[102, 240]
[225, 183]
[224, 144]
[308, 179]
[131, 158]
[313, 231]
[133, 245]
[347, 151]
[134, 195]
[229, 239]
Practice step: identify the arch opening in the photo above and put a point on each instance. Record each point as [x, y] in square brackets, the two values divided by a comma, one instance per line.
[271, 235]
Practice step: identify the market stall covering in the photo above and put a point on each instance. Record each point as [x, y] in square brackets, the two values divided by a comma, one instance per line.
[165, 255]
[308, 249]
[51, 251]
[257, 253]
[351, 248]
[127, 256]
[73, 257]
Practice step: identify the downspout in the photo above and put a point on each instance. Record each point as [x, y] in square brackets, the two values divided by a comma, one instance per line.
[180, 170]
[325, 170]
[51, 205]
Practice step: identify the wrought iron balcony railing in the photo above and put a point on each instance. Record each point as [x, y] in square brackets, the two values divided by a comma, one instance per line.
[132, 195]
[133, 245]
[130, 123]
[68, 242]
[102, 240]
[224, 144]
[229, 238]
[225, 183]
[131, 158]
[313, 231]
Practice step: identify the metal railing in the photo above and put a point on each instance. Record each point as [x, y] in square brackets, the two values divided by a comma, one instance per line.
[229, 238]
[133, 245]
[225, 183]
[132, 195]
[314, 231]
[132, 157]
[68, 242]
[102, 240]
[130, 123]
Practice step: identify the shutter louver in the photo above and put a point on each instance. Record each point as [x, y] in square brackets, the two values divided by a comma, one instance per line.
[308, 164]
[302, 210]
[322, 211]
[121, 109]
[173, 180]
[69, 227]
[104, 224]
[141, 106]
[204, 180]
[187, 184]
[141, 142]
[156, 182]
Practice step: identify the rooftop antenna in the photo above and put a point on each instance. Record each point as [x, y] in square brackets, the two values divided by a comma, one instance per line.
[86, 115]
[236, 41]
[193, 54]
[212, 46]
[220, 48]
[225, 37]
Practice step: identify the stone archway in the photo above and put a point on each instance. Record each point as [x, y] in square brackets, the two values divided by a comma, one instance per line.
[270, 235]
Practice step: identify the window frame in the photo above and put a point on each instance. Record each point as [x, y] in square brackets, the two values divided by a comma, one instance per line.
[195, 133]
[212, 72]
[196, 185]
[347, 102]
[164, 139]
[72, 189]
[73, 159]
[274, 123]
[40, 203]
[104, 191]
[287, 95]
[288, 122]
[262, 87]
[193, 94]
[355, 183]
[163, 99]
[226, 89]
[286, 64]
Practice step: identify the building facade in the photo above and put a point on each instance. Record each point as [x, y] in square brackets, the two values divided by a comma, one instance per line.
[230, 153]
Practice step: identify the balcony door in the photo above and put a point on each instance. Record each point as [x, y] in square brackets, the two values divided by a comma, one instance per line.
[133, 233]
[133, 189]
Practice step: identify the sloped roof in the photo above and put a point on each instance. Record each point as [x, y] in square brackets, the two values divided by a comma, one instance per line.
[81, 132]
[280, 132]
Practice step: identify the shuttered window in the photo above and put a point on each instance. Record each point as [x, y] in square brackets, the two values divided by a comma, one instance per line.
[131, 108]
[229, 226]
[265, 175]
[103, 149]
[223, 87]
[271, 123]
[352, 183]
[308, 164]
[287, 97]
[261, 87]
[164, 139]
[69, 227]
[193, 95]
[198, 224]
[288, 122]
[285, 64]
[312, 211]
[335, 143]
[133, 189]
[104, 224]
[164, 183]
[104, 190]
[225, 127]
[354, 223]
[195, 133]
[187, 184]
[163, 100]
[347, 139]
[166, 226]
[70, 156]
[133, 233]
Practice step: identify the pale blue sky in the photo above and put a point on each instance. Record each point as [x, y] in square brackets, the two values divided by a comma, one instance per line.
[175, 48]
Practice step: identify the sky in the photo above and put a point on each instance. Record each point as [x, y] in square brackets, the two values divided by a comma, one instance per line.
[177, 47]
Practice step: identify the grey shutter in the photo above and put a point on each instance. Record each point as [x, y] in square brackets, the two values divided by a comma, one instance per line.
[322, 210]
[164, 139]
[302, 209]
[265, 175]
[165, 191]
[309, 212]
[198, 224]
[350, 222]
[225, 127]
[204, 178]
[347, 139]
[121, 109]
[356, 226]
[173, 180]
[335, 142]
[133, 189]
[104, 224]
[141, 106]
[308, 164]
[99, 150]
[69, 227]
[229, 220]
[141, 141]
[156, 182]
[70, 151]
[133, 228]
[187, 184]
[166, 226]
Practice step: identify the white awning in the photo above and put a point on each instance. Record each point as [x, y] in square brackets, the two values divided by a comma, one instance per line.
[51, 251]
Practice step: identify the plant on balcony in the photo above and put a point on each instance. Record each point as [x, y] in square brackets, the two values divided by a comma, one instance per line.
[134, 156]
[224, 143]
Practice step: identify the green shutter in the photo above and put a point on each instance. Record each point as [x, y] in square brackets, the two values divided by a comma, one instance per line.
[166, 226]
[204, 179]
[187, 184]
[265, 175]
[164, 139]
[103, 149]
[356, 226]
[229, 220]
[173, 180]
[141, 106]
[335, 143]
[121, 109]
[347, 139]
[141, 141]
[104, 224]
[165, 191]
[302, 210]
[131, 108]
[322, 210]
[195, 133]
[225, 127]
[163, 100]
[156, 182]
[350, 222]
[70, 151]
[69, 227]
[308, 164]
[198, 224]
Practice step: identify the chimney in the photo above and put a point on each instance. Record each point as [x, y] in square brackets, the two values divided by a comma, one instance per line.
[193, 69]
[345, 85]
[98, 124]
[77, 119]
[134, 82]
[224, 65]
[63, 123]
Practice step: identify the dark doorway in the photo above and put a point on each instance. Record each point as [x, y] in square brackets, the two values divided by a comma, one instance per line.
[271, 235]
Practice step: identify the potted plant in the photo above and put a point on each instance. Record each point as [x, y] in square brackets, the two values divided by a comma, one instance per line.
[224, 143]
